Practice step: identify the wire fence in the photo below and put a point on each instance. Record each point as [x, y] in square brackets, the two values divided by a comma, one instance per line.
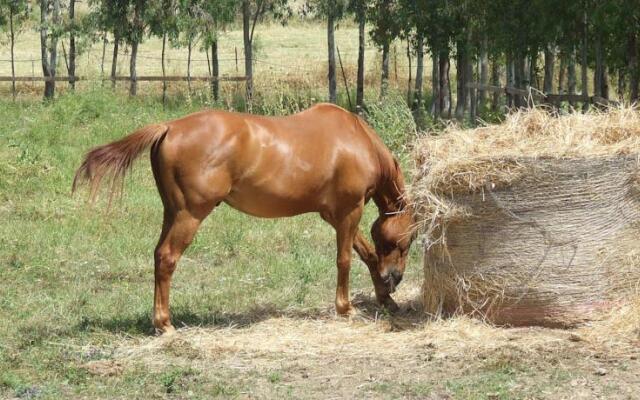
[300, 67]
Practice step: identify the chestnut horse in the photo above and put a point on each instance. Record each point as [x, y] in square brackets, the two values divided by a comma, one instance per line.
[325, 160]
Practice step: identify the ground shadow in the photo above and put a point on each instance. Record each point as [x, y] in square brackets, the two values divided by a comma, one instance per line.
[410, 316]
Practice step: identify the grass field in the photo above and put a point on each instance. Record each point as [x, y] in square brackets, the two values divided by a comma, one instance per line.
[74, 274]
[253, 298]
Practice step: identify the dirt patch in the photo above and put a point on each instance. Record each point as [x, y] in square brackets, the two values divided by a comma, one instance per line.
[374, 355]
[104, 367]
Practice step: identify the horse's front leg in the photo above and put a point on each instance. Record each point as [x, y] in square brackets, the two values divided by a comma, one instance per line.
[346, 226]
[367, 253]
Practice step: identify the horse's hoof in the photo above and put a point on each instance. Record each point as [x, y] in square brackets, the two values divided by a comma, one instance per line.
[166, 331]
[390, 305]
[346, 311]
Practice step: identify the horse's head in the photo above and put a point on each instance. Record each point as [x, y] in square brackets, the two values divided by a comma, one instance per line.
[392, 235]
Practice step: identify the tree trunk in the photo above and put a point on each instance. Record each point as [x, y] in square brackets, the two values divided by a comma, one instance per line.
[549, 64]
[634, 67]
[461, 72]
[604, 81]
[215, 70]
[138, 27]
[572, 80]
[72, 45]
[584, 65]
[409, 91]
[331, 49]
[435, 84]
[384, 79]
[510, 79]
[361, 43]
[164, 82]
[417, 103]
[445, 84]
[206, 52]
[44, 13]
[495, 81]
[133, 87]
[533, 69]
[621, 85]
[519, 80]
[114, 60]
[104, 53]
[471, 93]
[561, 73]
[189, 48]
[49, 46]
[248, 53]
[13, 66]
[597, 74]
[484, 74]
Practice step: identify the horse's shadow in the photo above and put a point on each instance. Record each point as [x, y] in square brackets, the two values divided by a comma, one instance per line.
[410, 316]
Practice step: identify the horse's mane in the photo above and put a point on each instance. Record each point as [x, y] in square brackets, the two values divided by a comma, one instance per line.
[391, 181]
[388, 163]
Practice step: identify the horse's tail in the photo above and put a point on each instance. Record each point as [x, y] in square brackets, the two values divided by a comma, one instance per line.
[115, 159]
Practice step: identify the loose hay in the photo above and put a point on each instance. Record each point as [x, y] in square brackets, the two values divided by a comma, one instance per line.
[319, 355]
[534, 221]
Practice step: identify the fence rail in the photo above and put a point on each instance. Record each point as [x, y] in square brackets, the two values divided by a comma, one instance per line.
[150, 78]
[554, 99]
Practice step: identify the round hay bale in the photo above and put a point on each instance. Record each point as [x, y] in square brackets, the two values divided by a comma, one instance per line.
[550, 240]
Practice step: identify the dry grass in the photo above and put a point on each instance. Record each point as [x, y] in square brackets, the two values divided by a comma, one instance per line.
[321, 355]
[618, 332]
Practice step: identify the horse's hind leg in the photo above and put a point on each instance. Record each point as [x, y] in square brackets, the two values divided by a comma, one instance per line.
[186, 204]
[178, 230]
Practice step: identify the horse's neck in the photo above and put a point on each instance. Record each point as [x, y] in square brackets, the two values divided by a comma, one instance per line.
[389, 195]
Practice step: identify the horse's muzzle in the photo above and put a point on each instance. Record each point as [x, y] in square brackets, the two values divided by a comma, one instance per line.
[392, 280]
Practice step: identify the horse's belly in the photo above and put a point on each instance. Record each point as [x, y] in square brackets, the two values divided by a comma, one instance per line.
[270, 204]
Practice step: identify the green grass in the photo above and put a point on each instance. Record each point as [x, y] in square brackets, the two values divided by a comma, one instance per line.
[76, 279]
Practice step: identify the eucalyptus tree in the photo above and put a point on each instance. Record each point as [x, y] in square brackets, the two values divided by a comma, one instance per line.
[12, 14]
[49, 34]
[359, 10]
[188, 18]
[385, 17]
[614, 26]
[414, 13]
[163, 22]
[332, 11]
[111, 17]
[438, 28]
[212, 17]
[252, 12]
[134, 37]
[72, 29]
[462, 31]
